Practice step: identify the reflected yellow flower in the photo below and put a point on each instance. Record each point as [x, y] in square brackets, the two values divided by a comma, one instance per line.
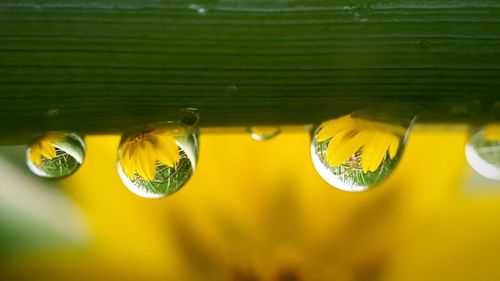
[44, 147]
[492, 132]
[141, 151]
[349, 134]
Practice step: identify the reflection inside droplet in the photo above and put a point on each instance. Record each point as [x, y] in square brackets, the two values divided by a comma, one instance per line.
[56, 155]
[156, 163]
[483, 151]
[355, 154]
[263, 133]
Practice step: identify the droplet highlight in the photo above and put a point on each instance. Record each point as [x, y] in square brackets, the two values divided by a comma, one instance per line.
[355, 154]
[483, 151]
[157, 162]
[263, 133]
[56, 155]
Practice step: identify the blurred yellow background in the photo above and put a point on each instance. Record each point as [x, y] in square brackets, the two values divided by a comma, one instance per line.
[258, 211]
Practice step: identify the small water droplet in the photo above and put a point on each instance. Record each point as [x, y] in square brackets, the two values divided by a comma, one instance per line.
[56, 155]
[189, 116]
[263, 133]
[465, 109]
[157, 162]
[483, 151]
[361, 13]
[425, 45]
[354, 154]
[198, 8]
[53, 112]
[232, 88]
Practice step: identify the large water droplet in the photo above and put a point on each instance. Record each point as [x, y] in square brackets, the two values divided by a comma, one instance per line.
[483, 151]
[56, 155]
[355, 154]
[263, 133]
[157, 162]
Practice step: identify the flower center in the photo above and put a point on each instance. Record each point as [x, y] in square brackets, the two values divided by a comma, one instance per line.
[138, 138]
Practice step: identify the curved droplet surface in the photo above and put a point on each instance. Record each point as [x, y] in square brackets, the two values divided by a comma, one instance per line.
[355, 154]
[263, 133]
[56, 155]
[483, 151]
[158, 162]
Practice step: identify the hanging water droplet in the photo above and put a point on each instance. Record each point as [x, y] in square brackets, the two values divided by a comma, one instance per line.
[483, 151]
[189, 116]
[158, 162]
[263, 133]
[354, 154]
[56, 155]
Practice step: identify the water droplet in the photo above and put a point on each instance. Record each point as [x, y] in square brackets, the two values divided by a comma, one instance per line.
[157, 162]
[425, 45]
[465, 109]
[56, 155]
[198, 8]
[355, 154]
[232, 89]
[263, 133]
[189, 116]
[53, 112]
[483, 151]
[361, 13]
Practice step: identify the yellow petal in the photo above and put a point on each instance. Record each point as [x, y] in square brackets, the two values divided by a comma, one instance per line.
[145, 160]
[167, 151]
[127, 164]
[127, 150]
[374, 151]
[35, 154]
[343, 146]
[393, 146]
[333, 127]
[47, 149]
[492, 132]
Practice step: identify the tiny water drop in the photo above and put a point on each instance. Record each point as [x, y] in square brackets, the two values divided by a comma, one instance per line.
[483, 151]
[465, 109]
[233, 89]
[354, 154]
[157, 162]
[56, 155]
[361, 13]
[189, 116]
[263, 133]
[198, 8]
[424, 45]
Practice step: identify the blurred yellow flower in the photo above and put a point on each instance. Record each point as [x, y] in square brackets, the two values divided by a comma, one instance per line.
[141, 151]
[44, 147]
[492, 132]
[349, 134]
